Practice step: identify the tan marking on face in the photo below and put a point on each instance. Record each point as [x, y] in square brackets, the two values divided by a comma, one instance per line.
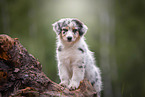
[77, 38]
[65, 28]
[64, 32]
[73, 28]
[61, 36]
[75, 32]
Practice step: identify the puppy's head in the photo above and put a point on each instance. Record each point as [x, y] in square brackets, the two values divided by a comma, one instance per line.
[69, 29]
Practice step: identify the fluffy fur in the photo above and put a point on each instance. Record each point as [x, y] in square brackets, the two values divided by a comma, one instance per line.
[75, 60]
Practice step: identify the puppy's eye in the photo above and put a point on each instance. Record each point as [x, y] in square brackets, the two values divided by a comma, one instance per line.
[65, 30]
[74, 30]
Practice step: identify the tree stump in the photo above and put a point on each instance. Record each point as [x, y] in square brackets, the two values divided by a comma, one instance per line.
[21, 75]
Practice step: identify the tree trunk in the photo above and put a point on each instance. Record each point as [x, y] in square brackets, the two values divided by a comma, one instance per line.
[21, 75]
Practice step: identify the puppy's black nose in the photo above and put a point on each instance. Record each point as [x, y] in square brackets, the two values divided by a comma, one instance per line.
[69, 38]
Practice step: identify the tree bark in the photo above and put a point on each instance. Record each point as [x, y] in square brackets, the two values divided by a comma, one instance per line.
[21, 75]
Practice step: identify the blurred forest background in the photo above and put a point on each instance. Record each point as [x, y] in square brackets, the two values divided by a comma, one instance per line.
[116, 34]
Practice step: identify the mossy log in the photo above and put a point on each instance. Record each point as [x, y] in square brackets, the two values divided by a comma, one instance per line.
[21, 75]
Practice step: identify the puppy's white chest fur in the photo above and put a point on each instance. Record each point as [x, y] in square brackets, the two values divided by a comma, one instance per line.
[70, 55]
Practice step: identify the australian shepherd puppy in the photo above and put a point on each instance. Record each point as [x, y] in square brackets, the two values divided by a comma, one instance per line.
[75, 60]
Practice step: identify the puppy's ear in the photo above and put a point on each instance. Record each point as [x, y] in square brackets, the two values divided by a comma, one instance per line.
[82, 27]
[57, 27]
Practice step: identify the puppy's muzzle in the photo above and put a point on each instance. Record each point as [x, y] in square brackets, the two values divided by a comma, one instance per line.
[69, 39]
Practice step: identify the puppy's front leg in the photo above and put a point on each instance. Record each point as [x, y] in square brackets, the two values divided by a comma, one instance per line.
[78, 75]
[63, 74]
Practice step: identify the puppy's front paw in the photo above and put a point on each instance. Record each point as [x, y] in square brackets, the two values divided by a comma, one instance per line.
[73, 85]
[64, 84]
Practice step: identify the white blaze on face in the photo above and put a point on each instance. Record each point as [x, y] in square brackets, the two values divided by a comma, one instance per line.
[69, 36]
